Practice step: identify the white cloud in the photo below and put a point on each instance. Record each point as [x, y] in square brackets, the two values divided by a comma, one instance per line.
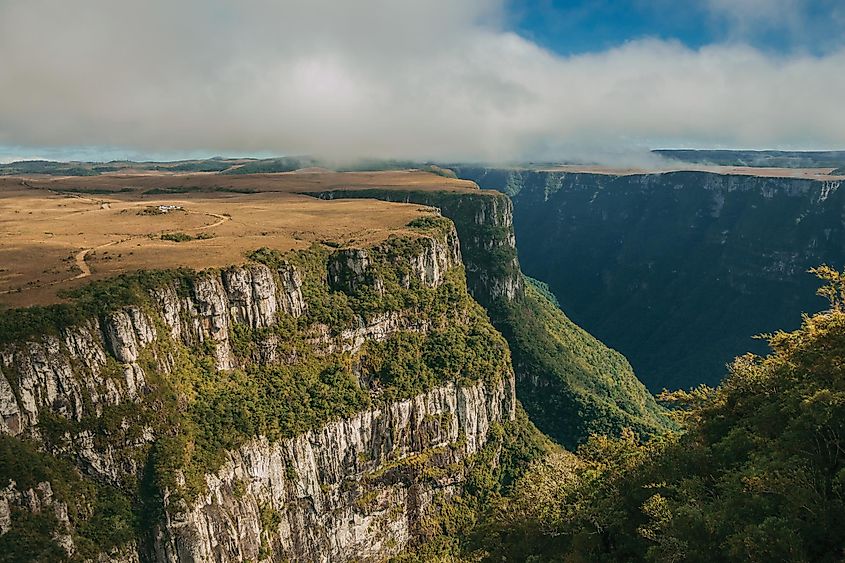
[811, 25]
[435, 79]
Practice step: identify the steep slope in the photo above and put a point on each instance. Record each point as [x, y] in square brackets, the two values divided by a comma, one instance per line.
[675, 270]
[571, 384]
[318, 405]
[758, 475]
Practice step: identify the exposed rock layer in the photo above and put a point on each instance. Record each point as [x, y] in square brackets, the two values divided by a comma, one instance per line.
[697, 262]
[348, 491]
[484, 222]
[351, 490]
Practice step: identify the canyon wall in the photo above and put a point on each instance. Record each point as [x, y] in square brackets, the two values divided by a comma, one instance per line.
[109, 401]
[676, 270]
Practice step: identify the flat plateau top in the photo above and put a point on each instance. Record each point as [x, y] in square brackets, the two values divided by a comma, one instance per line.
[59, 233]
[820, 174]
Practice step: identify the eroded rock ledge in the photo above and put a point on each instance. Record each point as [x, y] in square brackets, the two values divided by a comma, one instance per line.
[350, 491]
[355, 488]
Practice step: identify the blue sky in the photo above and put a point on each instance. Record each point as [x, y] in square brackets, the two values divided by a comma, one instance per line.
[494, 80]
[570, 27]
[579, 26]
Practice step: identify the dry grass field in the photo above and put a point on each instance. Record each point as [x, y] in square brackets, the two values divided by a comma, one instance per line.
[58, 233]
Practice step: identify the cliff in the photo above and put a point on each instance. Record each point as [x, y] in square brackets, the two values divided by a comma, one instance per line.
[570, 383]
[484, 223]
[355, 489]
[316, 406]
[675, 270]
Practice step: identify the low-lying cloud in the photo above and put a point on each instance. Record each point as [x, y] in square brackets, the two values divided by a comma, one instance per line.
[436, 79]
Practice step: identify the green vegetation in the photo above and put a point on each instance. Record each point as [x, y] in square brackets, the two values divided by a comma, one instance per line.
[479, 218]
[544, 290]
[571, 384]
[676, 270]
[197, 413]
[224, 409]
[101, 517]
[93, 300]
[757, 475]
[388, 284]
[184, 237]
[410, 363]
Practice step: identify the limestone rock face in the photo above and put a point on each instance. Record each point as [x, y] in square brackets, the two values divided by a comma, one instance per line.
[41, 499]
[128, 331]
[431, 265]
[345, 492]
[290, 291]
[484, 223]
[350, 269]
[351, 490]
[505, 284]
[252, 295]
[36, 500]
[248, 295]
[65, 374]
[668, 246]
[212, 307]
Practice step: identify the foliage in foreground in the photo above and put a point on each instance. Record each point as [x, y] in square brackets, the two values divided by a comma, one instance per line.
[758, 475]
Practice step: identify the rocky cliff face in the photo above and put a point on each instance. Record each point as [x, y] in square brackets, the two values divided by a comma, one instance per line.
[484, 222]
[570, 384]
[675, 270]
[352, 489]
[65, 374]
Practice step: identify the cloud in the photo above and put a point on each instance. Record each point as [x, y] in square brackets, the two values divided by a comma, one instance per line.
[809, 25]
[436, 79]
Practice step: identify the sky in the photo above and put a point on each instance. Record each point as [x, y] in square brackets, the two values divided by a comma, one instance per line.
[447, 80]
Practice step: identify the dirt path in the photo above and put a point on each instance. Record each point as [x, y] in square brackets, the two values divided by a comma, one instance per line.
[221, 219]
[83, 254]
[83, 265]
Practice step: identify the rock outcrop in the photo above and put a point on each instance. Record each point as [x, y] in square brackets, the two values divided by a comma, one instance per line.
[484, 223]
[352, 489]
[349, 491]
[68, 374]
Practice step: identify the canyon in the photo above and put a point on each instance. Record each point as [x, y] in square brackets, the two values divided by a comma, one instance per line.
[318, 403]
[677, 270]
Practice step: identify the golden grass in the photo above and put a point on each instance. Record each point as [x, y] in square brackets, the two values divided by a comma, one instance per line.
[52, 238]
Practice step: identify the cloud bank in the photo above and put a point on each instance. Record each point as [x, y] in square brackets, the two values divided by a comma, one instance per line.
[436, 79]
